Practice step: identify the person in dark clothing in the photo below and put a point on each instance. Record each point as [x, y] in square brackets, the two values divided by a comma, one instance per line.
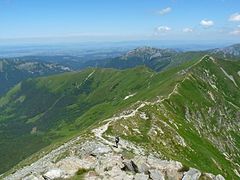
[117, 141]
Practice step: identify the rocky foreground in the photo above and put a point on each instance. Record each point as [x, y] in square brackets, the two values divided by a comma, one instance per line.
[95, 160]
[98, 158]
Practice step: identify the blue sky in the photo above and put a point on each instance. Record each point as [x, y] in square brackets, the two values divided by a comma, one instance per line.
[120, 20]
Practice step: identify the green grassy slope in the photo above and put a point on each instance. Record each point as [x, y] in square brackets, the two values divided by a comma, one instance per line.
[198, 124]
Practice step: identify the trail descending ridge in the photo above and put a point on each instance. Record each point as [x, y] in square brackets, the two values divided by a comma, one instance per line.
[101, 160]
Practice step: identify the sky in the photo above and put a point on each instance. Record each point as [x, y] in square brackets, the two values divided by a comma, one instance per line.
[119, 20]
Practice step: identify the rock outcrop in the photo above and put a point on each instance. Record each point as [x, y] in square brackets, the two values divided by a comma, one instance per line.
[100, 159]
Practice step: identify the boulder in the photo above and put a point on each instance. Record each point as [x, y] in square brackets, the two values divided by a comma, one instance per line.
[192, 174]
[156, 174]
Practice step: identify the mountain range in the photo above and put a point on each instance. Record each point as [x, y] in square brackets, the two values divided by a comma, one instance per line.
[181, 106]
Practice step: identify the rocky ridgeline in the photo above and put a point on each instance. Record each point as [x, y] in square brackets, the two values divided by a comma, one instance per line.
[96, 157]
[93, 159]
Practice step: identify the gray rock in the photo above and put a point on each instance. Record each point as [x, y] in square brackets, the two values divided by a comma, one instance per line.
[129, 165]
[192, 174]
[141, 163]
[141, 176]
[156, 174]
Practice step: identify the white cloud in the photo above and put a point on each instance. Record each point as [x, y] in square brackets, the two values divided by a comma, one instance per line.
[206, 23]
[235, 32]
[187, 30]
[234, 17]
[165, 11]
[163, 29]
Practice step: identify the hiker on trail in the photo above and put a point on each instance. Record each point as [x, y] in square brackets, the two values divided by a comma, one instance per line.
[116, 141]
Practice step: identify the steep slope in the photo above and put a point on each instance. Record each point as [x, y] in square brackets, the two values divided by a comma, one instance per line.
[197, 124]
[12, 71]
